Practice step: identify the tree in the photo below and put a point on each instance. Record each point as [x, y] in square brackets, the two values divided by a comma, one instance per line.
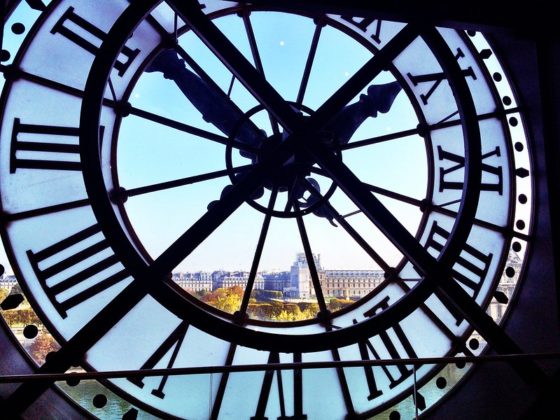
[227, 300]
[41, 346]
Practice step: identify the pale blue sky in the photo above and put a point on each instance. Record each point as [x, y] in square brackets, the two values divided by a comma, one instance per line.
[150, 153]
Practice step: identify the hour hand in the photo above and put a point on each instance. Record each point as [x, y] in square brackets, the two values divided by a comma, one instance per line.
[214, 105]
[379, 98]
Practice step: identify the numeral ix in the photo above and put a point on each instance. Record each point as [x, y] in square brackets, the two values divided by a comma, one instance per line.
[489, 172]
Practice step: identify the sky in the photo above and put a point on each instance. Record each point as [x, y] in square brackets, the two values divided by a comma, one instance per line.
[149, 153]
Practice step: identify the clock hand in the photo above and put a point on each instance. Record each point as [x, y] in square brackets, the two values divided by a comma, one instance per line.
[379, 98]
[311, 185]
[341, 128]
[215, 107]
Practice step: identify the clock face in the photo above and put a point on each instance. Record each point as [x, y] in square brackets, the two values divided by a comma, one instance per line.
[163, 164]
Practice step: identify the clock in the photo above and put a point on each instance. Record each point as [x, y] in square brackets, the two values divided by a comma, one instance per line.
[141, 139]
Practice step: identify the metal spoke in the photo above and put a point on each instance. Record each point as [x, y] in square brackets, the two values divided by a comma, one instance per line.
[374, 210]
[419, 256]
[235, 61]
[394, 195]
[190, 129]
[421, 130]
[482, 223]
[213, 85]
[258, 254]
[291, 193]
[310, 261]
[309, 63]
[257, 58]
[184, 181]
[350, 230]
[210, 221]
[379, 139]
[364, 76]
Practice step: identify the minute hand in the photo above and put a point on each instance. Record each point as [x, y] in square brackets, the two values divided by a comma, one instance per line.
[215, 107]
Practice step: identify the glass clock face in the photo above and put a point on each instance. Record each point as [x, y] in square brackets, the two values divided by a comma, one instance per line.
[191, 184]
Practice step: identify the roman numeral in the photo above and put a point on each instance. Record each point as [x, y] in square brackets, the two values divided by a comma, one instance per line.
[267, 385]
[88, 31]
[436, 78]
[366, 25]
[173, 341]
[395, 343]
[47, 150]
[470, 269]
[223, 384]
[491, 172]
[67, 258]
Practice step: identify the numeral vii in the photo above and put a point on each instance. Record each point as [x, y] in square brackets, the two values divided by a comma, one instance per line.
[393, 342]
[470, 269]
[472, 265]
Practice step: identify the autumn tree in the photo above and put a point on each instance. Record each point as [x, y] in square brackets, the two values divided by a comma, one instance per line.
[41, 346]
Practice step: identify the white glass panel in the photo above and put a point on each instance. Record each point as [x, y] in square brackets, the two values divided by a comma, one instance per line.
[377, 32]
[437, 102]
[322, 390]
[25, 188]
[480, 91]
[39, 233]
[54, 56]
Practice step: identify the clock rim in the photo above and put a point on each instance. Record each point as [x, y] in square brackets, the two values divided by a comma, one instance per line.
[91, 109]
[510, 207]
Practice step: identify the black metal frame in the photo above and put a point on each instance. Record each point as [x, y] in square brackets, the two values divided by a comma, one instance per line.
[73, 348]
